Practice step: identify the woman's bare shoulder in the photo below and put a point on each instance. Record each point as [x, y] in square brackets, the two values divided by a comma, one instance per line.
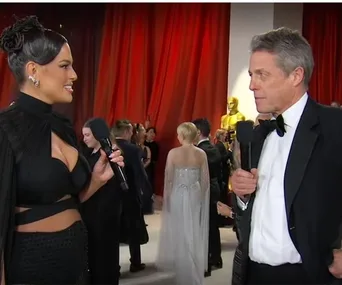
[200, 152]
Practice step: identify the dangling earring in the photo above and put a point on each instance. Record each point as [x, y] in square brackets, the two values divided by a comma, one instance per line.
[35, 81]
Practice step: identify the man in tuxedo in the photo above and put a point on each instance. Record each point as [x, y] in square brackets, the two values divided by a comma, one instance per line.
[214, 163]
[288, 207]
[226, 160]
[133, 220]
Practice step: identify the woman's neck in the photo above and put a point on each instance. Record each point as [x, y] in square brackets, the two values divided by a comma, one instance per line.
[34, 93]
[96, 148]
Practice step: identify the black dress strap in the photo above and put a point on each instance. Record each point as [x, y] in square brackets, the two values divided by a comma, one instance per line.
[39, 212]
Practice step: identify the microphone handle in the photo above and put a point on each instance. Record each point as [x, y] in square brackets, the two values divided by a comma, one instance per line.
[246, 160]
[246, 156]
[119, 173]
[106, 145]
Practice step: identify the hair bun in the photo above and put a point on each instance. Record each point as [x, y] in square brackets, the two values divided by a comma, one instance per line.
[12, 37]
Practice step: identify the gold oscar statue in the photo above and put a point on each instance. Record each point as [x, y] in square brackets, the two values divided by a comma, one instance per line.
[229, 121]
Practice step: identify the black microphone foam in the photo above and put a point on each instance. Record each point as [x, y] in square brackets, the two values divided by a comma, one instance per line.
[101, 133]
[99, 128]
[244, 132]
[244, 135]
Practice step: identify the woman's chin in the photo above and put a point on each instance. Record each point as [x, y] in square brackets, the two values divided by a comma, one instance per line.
[67, 97]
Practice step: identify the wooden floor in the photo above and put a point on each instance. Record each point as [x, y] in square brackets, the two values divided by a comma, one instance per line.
[148, 253]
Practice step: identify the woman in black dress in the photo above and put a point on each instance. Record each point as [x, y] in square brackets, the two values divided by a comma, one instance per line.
[147, 203]
[43, 177]
[151, 133]
[101, 214]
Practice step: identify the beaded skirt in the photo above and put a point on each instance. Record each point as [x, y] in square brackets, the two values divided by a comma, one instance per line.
[50, 257]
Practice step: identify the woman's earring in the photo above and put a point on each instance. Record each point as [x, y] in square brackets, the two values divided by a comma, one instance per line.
[35, 81]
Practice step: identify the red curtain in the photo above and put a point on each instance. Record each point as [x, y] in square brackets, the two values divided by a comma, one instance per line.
[6, 82]
[124, 71]
[322, 27]
[165, 61]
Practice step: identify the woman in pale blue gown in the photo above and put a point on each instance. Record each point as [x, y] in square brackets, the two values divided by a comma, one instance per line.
[183, 243]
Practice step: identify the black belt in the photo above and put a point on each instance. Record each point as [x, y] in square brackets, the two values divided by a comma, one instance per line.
[40, 212]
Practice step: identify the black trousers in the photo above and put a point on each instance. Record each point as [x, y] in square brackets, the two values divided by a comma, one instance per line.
[214, 236]
[286, 274]
[131, 229]
[135, 252]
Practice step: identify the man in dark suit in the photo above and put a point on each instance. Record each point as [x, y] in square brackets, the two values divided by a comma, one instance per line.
[133, 220]
[226, 161]
[288, 208]
[214, 162]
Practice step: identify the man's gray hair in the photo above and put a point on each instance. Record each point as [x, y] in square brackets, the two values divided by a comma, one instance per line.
[290, 47]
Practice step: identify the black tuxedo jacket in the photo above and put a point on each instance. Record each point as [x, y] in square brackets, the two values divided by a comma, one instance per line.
[133, 227]
[134, 169]
[225, 156]
[313, 193]
[214, 163]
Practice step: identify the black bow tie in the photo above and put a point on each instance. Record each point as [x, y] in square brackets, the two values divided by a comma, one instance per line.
[270, 125]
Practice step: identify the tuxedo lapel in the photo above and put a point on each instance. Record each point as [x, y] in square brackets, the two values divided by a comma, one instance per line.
[300, 153]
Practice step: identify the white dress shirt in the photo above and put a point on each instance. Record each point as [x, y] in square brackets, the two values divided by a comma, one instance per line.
[270, 242]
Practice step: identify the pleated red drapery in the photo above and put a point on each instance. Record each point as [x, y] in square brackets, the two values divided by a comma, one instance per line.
[165, 61]
[322, 27]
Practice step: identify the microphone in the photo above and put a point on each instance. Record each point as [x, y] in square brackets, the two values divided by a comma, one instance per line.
[244, 135]
[100, 131]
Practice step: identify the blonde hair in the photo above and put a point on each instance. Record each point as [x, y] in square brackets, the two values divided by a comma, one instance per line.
[220, 132]
[188, 130]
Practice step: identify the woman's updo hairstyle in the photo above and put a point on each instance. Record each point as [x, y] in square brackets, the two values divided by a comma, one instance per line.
[27, 40]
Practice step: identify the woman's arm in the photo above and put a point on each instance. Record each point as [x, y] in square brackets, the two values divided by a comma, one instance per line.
[93, 186]
[225, 210]
[148, 159]
[7, 191]
[102, 172]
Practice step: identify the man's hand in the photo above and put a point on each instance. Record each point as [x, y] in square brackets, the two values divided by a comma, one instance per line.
[336, 267]
[224, 210]
[244, 182]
